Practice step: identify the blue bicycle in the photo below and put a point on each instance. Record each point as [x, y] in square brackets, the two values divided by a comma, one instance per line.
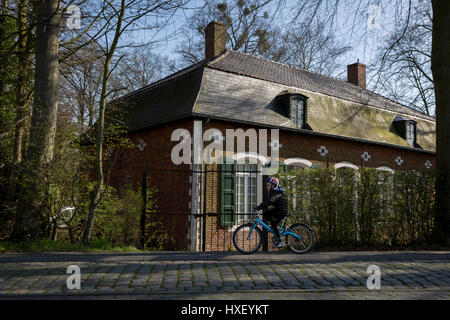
[248, 237]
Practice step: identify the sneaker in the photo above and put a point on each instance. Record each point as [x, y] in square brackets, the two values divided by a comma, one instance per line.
[279, 244]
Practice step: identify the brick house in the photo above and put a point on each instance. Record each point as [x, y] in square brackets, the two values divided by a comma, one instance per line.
[322, 121]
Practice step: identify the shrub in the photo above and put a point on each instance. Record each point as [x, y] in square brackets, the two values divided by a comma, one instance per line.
[365, 207]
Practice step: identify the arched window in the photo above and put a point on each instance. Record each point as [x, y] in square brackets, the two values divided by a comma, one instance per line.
[258, 158]
[345, 164]
[384, 168]
[240, 187]
[297, 163]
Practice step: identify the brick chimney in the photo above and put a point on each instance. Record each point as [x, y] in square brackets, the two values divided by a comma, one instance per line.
[215, 39]
[356, 74]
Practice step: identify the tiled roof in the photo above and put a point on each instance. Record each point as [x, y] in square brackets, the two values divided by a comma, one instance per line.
[252, 66]
[239, 87]
[173, 76]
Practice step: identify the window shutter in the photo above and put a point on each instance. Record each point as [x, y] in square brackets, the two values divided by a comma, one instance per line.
[227, 195]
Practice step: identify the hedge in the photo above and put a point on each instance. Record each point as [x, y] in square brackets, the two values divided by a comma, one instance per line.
[366, 207]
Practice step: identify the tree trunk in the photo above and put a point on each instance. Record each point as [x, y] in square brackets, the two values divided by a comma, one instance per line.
[3, 32]
[440, 66]
[97, 192]
[30, 218]
[23, 77]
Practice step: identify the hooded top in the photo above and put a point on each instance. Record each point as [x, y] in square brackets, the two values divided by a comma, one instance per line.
[277, 199]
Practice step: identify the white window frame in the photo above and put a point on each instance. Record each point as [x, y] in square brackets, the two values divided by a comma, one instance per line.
[254, 159]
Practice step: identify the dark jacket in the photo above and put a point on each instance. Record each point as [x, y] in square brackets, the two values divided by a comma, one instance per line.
[276, 201]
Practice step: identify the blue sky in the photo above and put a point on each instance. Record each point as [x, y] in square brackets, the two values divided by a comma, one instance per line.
[353, 30]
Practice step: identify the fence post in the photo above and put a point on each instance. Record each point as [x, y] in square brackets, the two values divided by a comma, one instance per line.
[204, 211]
[144, 207]
[265, 246]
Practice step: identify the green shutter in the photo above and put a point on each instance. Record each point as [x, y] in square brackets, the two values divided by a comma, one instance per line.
[227, 196]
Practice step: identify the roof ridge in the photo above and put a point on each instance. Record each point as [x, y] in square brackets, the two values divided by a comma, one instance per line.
[170, 77]
[361, 90]
[289, 66]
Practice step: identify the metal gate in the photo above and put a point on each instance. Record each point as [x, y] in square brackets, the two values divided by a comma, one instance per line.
[197, 208]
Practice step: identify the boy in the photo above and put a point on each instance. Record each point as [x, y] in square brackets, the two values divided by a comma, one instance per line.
[277, 206]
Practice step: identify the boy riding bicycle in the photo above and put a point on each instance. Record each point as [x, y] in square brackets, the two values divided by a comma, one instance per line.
[277, 206]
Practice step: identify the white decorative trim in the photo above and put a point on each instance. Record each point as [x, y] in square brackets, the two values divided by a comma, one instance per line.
[142, 145]
[275, 145]
[303, 162]
[399, 161]
[384, 168]
[322, 150]
[345, 164]
[252, 155]
[366, 156]
[428, 164]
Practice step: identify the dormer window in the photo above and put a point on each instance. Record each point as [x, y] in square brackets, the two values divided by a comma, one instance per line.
[294, 107]
[411, 132]
[297, 111]
[406, 129]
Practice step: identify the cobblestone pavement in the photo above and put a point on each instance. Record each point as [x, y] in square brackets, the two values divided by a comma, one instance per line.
[181, 275]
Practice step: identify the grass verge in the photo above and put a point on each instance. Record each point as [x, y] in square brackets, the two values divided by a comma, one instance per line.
[46, 245]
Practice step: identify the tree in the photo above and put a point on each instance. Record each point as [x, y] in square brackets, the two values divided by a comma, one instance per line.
[248, 27]
[30, 216]
[440, 60]
[80, 85]
[406, 74]
[308, 46]
[141, 67]
[120, 20]
[251, 29]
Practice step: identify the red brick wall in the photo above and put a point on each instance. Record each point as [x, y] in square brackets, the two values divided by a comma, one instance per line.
[297, 145]
[170, 189]
[173, 187]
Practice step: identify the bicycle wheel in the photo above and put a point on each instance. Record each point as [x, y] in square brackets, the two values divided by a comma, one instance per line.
[304, 244]
[245, 244]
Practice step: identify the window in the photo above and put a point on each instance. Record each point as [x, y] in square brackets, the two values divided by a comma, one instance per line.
[245, 190]
[411, 133]
[406, 129]
[293, 106]
[238, 192]
[297, 111]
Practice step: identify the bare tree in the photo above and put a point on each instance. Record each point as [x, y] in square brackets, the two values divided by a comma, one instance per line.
[406, 74]
[122, 17]
[251, 29]
[29, 217]
[308, 46]
[440, 57]
[248, 26]
[81, 84]
[141, 67]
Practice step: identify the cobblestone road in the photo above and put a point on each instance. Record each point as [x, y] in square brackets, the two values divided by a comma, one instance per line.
[338, 275]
